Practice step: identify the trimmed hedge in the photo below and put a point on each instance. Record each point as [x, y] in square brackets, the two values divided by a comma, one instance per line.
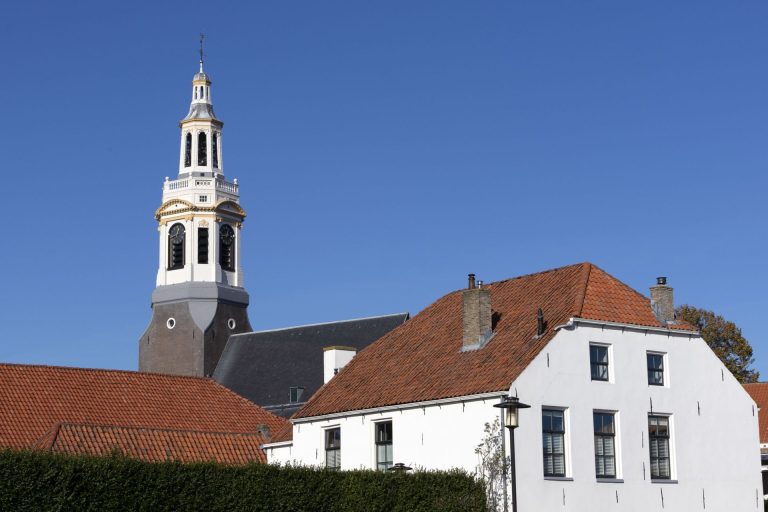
[44, 481]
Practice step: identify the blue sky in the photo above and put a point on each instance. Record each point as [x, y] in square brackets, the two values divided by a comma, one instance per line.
[384, 150]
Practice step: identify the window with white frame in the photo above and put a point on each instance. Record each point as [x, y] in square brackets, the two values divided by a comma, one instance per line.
[333, 448]
[598, 361]
[553, 432]
[658, 444]
[605, 444]
[383, 445]
[655, 368]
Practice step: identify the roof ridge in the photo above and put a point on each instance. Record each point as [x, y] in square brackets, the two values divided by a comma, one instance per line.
[556, 269]
[583, 295]
[48, 439]
[405, 313]
[104, 370]
[128, 427]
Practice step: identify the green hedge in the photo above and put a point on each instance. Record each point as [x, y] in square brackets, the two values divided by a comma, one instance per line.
[43, 481]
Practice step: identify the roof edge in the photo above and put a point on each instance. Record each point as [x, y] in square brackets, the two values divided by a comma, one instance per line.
[335, 322]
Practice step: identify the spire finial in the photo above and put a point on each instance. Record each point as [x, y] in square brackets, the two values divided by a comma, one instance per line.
[202, 37]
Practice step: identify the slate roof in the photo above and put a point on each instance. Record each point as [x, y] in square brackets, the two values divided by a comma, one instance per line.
[759, 393]
[422, 359]
[263, 366]
[154, 445]
[34, 399]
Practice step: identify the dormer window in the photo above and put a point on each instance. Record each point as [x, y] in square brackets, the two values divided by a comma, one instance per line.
[295, 394]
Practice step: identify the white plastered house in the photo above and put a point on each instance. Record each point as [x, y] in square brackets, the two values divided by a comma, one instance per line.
[630, 410]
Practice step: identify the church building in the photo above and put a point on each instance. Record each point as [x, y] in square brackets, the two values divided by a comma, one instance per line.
[199, 305]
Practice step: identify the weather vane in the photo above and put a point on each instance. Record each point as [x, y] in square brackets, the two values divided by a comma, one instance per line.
[202, 37]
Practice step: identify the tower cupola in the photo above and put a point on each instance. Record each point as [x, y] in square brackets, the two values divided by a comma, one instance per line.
[200, 298]
[200, 153]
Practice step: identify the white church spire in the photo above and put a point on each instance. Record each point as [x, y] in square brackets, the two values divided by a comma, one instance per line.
[201, 130]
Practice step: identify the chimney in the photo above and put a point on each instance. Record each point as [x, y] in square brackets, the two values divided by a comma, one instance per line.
[476, 311]
[334, 359]
[662, 302]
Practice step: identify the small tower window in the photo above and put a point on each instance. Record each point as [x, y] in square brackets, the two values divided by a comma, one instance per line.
[176, 247]
[202, 245]
[215, 149]
[188, 150]
[227, 248]
[202, 149]
[195, 92]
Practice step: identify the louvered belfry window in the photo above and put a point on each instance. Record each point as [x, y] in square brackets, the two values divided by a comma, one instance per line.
[227, 248]
[215, 149]
[202, 245]
[188, 150]
[202, 149]
[176, 237]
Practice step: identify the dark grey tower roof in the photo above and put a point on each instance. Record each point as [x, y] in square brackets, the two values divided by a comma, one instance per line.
[263, 366]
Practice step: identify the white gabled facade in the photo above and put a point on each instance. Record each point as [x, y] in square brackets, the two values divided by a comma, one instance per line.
[713, 427]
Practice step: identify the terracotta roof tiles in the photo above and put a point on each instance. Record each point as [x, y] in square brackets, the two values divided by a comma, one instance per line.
[422, 359]
[34, 399]
[154, 445]
[759, 393]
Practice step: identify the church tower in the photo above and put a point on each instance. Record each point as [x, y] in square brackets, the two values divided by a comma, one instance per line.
[199, 300]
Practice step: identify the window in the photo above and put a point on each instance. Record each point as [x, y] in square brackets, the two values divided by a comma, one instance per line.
[176, 236]
[202, 245]
[655, 369]
[202, 149]
[658, 443]
[333, 448]
[295, 394]
[188, 150]
[553, 430]
[227, 247]
[215, 149]
[598, 362]
[605, 445]
[203, 198]
[384, 445]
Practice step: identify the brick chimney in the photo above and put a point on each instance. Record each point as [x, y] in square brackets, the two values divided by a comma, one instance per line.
[476, 310]
[662, 301]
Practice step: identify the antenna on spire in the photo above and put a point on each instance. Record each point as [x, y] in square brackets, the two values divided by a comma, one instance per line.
[202, 37]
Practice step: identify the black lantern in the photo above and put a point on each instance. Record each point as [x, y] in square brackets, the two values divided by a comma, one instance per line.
[511, 406]
[399, 467]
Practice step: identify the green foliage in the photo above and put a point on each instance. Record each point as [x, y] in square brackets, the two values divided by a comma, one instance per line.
[493, 465]
[724, 338]
[41, 481]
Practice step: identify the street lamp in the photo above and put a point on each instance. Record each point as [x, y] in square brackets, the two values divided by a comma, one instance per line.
[399, 467]
[511, 404]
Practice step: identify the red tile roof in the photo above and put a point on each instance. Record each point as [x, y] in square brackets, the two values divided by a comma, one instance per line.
[759, 393]
[154, 445]
[34, 399]
[422, 359]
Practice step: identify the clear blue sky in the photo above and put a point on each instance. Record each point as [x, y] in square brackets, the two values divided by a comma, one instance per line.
[384, 150]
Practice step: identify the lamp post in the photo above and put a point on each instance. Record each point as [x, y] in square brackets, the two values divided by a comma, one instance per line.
[511, 404]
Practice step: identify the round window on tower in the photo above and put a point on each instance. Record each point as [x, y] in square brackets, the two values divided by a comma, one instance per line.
[231, 324]
[171, 323]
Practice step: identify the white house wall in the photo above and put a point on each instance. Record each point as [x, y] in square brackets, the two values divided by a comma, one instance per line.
[714, 432]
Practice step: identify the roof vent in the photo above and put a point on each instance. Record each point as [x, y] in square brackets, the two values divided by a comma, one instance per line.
[541, 325]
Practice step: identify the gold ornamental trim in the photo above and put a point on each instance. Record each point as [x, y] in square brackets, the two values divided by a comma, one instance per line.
[226, 207]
